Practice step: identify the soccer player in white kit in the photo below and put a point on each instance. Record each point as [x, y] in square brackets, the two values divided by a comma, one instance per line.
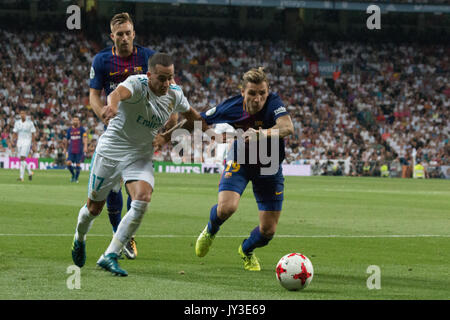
[24, 131]
[136, 110]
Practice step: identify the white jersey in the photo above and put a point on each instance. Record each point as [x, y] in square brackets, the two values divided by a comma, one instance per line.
[24, 130]
[130, 133]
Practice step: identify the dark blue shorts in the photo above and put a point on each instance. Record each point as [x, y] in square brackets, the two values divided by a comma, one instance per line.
[75, 157]
[267, 189]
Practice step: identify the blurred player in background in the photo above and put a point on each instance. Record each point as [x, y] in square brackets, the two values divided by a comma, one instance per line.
[23, 133]
[136, 110]
[110, 67]
[75, 145]
[262, 115]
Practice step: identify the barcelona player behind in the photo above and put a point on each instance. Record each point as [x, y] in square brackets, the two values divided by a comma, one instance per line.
[75, 145]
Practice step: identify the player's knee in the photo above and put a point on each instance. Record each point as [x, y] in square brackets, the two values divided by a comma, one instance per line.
[144, 196]
[225, 210]
[268, 231]
[95, 207]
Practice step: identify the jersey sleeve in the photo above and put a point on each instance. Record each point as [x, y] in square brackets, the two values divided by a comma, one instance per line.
[276, 107]
[181, 103]
[135, 85]
[33, 128]
[15, 129]
[96, 75]
[221, 113]
[68, 134]
[149, 52]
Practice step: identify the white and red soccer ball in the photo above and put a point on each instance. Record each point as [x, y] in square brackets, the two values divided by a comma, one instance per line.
[294, 271]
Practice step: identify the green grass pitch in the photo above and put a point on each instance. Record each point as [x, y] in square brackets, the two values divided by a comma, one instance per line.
[343, 224]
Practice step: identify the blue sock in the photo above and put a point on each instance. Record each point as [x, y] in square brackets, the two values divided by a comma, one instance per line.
[214, 221]
[71, 170]
[128, 203]
[114, 203]
[114, 219]
[77, 172]
[256, 240]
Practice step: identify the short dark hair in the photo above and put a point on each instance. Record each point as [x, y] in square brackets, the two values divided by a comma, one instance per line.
[161, 58]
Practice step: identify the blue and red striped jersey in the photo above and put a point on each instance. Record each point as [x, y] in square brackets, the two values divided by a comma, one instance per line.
[109, 69]
[75, 137]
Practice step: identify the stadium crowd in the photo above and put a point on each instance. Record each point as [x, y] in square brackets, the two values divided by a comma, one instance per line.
[392, 99]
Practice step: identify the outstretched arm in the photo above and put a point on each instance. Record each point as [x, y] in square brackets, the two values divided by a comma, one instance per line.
[190, 116]
[282, 128]
[110, 110]
[173, 119]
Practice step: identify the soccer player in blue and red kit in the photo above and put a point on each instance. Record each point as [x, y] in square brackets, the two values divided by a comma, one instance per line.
[110, 67]
[76, 147]
[261, 115]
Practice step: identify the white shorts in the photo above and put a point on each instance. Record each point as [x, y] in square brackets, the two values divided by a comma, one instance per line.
[106, 174]
[23, 149]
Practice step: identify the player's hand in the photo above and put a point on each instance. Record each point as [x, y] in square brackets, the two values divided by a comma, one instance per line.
[108, 113]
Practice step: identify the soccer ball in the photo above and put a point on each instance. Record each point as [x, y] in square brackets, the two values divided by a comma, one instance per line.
[294, 271]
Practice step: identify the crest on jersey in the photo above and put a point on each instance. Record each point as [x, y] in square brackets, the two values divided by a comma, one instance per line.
[210, 112]
[92, 74]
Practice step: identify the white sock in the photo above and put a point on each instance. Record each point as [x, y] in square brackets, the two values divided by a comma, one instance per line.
[29, 168]
[23, 164]
[85, 221]
[127, 227]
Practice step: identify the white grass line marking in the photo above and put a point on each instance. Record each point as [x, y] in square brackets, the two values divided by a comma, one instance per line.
[234, 236]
